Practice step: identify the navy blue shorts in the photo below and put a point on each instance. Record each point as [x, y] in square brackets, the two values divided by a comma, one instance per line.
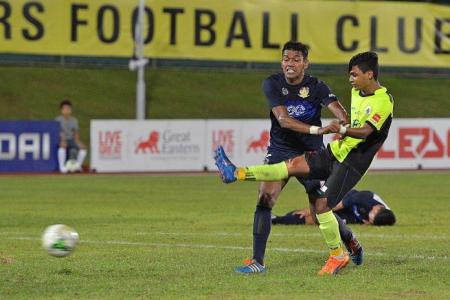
[275, 156]
[72, 144]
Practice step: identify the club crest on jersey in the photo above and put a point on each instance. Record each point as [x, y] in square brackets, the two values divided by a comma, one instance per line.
[304, 92]
[284, 91]
[368, 110]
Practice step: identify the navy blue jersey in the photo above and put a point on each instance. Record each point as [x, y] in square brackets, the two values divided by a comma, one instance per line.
[357, 205]
[303, 102]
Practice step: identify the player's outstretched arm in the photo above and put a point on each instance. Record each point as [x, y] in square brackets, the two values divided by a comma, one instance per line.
[285, 121]
[338, 206]
[339, 112]
[359, 133]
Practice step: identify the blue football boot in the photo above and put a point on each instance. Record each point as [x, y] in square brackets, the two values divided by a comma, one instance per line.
[225, 166]
[251, 266]
[355, 251]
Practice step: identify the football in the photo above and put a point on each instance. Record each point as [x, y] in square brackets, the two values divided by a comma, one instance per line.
[59, 240]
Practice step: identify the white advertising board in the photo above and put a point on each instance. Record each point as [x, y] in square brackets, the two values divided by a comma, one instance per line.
[245, 140]
[188, 145]
[416, 144]
[163, 145]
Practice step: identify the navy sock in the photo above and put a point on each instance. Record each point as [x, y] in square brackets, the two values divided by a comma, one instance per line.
[345, 232]
[289, 220]
[261, 230]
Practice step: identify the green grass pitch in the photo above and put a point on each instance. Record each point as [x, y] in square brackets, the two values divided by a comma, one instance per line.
[152, 237]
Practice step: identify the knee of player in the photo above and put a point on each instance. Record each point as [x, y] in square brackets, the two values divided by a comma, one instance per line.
[267, 199]
[297, 166]
[321, 205]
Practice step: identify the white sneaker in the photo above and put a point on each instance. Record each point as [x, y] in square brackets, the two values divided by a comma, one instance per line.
[77, 168]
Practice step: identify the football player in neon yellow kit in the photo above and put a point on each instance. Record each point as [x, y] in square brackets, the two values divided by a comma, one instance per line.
[343, 163]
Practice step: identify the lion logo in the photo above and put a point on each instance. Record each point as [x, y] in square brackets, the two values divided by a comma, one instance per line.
[261, 143]
[150, 144]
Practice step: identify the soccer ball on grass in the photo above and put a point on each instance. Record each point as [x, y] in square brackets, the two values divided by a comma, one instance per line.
[59, 240]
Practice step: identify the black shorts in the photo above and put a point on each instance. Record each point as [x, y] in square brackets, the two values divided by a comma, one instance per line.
[72, 149]
[339, 178]
[275, 156]
[71, 144]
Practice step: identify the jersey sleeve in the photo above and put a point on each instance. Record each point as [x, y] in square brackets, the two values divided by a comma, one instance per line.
[325, 94]
[379, 112]
[272, 93]
[362, 198]
[349, 199]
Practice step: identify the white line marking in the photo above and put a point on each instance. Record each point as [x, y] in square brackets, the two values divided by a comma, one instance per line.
[425, 236]
[204, 246]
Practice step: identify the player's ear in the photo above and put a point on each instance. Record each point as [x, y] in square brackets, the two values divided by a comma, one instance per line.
[306, 63]
[370, 75]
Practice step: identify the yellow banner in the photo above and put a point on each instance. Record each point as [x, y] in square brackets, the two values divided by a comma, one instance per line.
[403, 34]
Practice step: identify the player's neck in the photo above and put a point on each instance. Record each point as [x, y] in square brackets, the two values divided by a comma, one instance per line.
[371, 88]
[295, 81]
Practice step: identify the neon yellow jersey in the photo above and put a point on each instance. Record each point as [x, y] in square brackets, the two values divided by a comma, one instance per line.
[376, 110]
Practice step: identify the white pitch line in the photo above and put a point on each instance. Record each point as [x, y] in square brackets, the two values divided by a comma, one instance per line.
[365, 235]
[424, 236]
[205, 246]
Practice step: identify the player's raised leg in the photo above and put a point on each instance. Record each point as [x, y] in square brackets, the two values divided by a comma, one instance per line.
[275, 172]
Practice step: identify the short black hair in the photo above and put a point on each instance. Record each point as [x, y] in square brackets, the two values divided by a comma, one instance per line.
[384, 217]
[366, 61]
[65, 102]
[296, 46]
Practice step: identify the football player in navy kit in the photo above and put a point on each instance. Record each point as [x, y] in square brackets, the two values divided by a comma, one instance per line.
[357, 207]
[295, 100]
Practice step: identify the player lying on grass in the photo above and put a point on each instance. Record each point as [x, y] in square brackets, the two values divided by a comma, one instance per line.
[357, 207]
[343, 163]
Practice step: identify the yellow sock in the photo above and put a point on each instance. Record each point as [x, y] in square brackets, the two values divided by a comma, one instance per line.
[330, 231]
[273, 172]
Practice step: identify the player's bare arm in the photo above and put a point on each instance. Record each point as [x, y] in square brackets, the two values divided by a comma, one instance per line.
[339, 112]
[338, 206]
[78, 140]
[303, 212]
[359, 133]
[287, 122]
